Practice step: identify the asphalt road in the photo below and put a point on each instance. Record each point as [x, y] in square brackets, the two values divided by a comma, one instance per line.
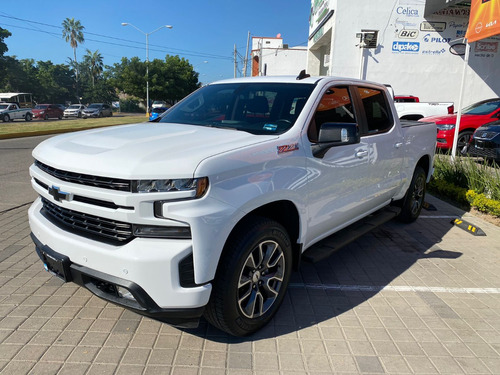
[15, 157]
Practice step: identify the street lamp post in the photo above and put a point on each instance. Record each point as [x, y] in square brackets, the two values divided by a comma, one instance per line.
[147, 56]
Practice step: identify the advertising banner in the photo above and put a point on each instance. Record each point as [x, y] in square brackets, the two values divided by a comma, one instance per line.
[484, 19]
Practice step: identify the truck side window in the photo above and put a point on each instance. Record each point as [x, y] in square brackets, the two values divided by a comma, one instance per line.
[335, 106]
[376, 109]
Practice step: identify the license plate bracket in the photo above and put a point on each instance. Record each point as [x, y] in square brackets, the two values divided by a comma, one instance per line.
[55, 263]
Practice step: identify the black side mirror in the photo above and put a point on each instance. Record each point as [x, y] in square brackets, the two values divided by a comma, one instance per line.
[333, 134]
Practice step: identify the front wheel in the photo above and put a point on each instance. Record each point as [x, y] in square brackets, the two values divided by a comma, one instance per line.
[463, 141]
[5, 118]
[250, 284]
[412, 203]
[28, 117]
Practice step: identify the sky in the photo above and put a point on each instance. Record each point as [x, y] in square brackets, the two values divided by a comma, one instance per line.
[204, 31]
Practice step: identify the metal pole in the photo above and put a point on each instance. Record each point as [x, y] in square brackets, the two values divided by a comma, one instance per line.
[460, 99]
[147, 74]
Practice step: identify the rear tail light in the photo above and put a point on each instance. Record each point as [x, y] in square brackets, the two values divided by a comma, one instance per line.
[451, 109]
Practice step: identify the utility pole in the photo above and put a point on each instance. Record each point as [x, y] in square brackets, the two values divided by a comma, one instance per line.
[235, 61]
[245, 65]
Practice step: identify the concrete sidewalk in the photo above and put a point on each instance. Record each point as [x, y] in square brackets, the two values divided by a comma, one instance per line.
[422, 298]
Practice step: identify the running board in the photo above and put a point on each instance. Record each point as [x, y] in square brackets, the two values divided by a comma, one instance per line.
[329, 245]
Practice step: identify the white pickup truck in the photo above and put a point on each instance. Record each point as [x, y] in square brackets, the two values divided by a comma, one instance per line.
[415, 110]
[11, 112]
[208, 211]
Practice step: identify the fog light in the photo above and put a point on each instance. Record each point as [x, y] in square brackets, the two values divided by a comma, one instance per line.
[124, 293]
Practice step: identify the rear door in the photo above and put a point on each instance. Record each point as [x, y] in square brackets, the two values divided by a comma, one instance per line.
[384, 138]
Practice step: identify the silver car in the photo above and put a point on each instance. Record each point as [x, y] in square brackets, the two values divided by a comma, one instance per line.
[74, 110]
[97, 110]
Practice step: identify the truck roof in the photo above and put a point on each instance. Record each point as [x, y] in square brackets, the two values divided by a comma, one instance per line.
[291, 79]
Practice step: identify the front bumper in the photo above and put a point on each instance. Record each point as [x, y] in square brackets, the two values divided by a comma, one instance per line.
[445, 139]
[150, 269]
[93, 114]
[114, 289]
[72, 114]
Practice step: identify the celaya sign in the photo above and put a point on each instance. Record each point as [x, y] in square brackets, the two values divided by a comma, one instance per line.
[484, 19]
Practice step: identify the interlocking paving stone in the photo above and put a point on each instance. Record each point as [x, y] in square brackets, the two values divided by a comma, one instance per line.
[419, 298]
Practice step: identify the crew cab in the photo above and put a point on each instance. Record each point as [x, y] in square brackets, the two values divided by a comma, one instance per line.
[209, 210]
[11, 112]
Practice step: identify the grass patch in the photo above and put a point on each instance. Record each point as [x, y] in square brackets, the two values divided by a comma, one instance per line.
[24, 128]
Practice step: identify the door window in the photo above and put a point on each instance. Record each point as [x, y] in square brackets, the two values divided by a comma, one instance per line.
[376, 109]
[335, 106]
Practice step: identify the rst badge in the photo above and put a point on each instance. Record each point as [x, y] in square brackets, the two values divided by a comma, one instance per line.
[288, 148]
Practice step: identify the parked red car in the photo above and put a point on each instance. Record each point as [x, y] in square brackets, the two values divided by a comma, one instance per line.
[47, 111]
[473, 117]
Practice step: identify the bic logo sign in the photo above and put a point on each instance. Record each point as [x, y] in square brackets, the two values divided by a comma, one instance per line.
[408, 34]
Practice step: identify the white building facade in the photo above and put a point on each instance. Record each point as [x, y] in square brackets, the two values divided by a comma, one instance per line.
[273, 58]
[416, 46]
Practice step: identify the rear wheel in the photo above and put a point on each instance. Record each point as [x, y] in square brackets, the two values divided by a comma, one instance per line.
[412, 203]
[252, 278]
[46, 117]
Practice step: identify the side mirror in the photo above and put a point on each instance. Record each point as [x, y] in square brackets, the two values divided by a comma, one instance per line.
[333, 134]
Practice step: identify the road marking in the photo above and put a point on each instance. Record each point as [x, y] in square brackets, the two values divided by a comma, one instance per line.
[395, 288]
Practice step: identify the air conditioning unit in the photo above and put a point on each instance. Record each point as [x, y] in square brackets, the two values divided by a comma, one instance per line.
[368, 38]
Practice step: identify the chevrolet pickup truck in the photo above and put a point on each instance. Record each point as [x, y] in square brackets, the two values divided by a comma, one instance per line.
[11, 112]
[209, 210]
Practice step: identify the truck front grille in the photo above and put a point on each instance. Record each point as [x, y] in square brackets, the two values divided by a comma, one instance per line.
[86, 179]
[94, 227]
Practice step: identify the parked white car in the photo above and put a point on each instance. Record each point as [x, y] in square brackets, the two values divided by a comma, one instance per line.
[74, 110]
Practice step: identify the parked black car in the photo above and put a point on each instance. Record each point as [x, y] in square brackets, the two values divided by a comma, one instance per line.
[485, 142]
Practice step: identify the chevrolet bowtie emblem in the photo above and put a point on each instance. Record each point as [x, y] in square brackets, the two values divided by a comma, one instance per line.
[59, 195]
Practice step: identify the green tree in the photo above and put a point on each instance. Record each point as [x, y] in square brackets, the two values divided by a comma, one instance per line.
[73, 33]
[3, 60]
[94, 63]
[171, 79]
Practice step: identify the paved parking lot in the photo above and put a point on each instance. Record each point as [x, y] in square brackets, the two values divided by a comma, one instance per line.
[421, 298]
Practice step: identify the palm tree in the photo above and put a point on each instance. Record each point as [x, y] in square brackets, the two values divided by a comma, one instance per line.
[94, 61]
[73, 33]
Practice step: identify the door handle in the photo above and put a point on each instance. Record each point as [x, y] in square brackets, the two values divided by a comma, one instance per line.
[361, 154]
[398, 145]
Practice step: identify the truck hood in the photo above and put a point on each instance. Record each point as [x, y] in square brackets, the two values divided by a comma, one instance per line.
[141, 151]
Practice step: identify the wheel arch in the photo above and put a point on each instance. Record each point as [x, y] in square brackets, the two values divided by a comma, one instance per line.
[283, 212]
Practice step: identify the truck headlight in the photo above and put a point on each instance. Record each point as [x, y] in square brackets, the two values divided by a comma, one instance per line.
[197, 185]
[446, 127]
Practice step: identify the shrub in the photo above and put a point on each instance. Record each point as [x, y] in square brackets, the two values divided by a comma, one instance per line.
[468, 182]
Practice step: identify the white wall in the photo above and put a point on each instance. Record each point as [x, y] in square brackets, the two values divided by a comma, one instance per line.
[430, 71]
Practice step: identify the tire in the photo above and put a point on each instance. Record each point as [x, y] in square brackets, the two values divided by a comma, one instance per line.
[59, 117]
[5, 118]
[250, 284]
[463, 140]
[412, 203]
[46, 117]
[110, 114]
[100, 114]
[28, 117]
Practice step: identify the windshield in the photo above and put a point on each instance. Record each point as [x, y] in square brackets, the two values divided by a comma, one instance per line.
[482, 108]
[74, 106]
[41, 106]
[257, 108]
[94, 106]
